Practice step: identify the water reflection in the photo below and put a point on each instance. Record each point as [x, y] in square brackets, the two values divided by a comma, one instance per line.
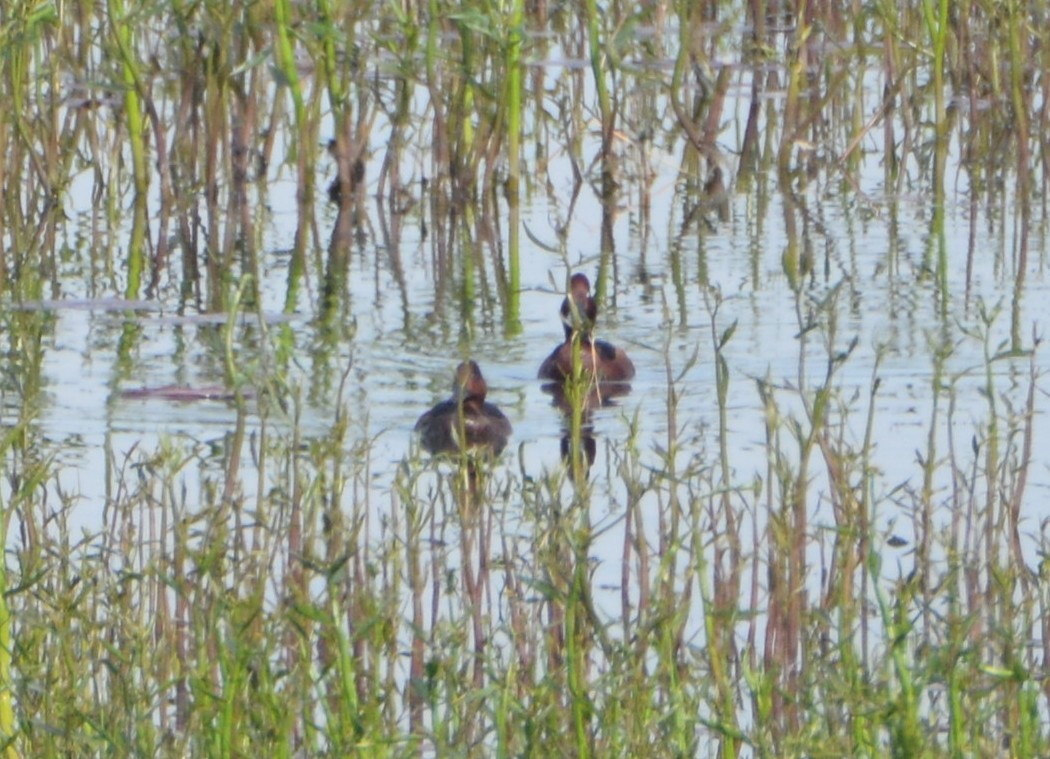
[577, 401]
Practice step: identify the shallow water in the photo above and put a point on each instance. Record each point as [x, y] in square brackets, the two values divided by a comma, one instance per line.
[915, 301]
[873, 247]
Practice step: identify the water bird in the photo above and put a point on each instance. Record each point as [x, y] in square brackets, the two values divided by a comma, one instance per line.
[598, 359]
[465, 422]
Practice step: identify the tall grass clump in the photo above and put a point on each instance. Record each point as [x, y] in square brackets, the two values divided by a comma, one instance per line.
[134, 118]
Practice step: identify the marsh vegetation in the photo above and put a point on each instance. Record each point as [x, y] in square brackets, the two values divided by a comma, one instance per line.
[243, 247]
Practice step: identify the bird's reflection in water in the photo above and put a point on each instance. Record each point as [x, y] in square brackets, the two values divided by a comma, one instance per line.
[578, 443]
[579, 457]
